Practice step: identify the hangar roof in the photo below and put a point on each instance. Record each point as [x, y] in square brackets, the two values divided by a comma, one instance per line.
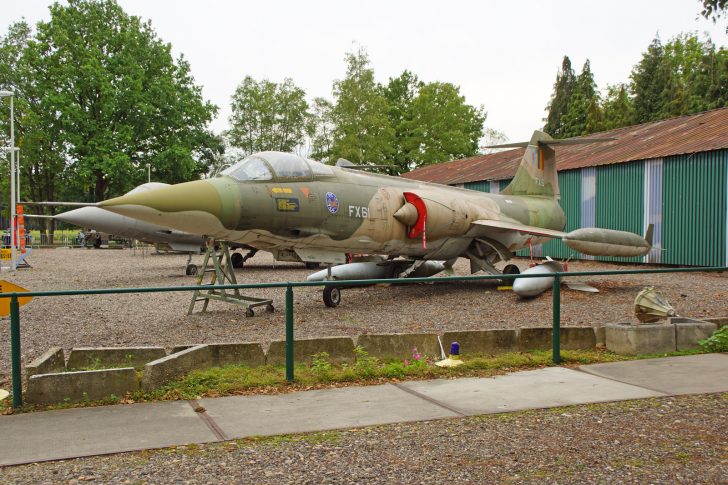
[700, 132]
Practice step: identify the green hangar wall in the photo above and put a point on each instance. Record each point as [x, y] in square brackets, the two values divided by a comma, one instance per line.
[685, 198]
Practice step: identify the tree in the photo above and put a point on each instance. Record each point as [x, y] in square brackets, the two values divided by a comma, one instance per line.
[432, 122]
[583, 114]
[444, 127]
[320, 129]
[694, 70]
[400, 93]
[268, 116]
[558, 107]
[617, 108]
[649, 82]
[493, 137]
[38, 128]
[684, 76]
[119, 100]
[714, 9]
[362, 131]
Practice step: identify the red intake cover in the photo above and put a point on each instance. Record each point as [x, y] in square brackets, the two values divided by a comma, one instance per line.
[419, 226]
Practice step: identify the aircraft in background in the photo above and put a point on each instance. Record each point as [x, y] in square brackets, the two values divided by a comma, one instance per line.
[286, 204]
[102, 221]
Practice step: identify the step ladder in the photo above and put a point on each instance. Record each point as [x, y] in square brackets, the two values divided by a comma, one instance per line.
[217, 263]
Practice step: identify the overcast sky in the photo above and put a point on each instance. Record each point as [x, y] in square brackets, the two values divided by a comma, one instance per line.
[503, 55]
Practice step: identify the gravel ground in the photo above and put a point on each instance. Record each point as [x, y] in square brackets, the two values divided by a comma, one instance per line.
[666, 440]
[161, 318]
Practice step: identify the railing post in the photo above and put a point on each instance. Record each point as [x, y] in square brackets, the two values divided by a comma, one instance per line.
[15, 351]
[556, 328]
[289, 333]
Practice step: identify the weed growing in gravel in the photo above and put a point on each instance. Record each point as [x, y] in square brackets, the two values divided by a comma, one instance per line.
[364, 363]
[321, 365]
[276, 441]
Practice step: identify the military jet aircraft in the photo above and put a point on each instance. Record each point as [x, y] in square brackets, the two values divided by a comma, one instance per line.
[284, 203]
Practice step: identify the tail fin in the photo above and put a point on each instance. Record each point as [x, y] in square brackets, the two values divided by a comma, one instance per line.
[536, 175]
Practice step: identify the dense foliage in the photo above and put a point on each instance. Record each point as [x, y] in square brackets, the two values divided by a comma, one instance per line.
[268, 116]
[686, 75]
[404, 124]
[98, 96]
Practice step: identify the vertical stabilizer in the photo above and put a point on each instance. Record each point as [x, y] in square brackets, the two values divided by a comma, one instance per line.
[536, 175]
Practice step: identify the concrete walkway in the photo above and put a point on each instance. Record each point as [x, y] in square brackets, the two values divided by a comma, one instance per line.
[54, 435]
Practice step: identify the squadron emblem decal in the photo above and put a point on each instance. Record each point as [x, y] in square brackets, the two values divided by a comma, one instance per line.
[332, 202]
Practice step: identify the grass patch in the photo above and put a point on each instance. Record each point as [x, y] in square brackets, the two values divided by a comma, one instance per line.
[276, 441]
[322, 373]
[240, 379]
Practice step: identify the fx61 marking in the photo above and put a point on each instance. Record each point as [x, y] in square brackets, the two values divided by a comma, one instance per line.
[358, 211]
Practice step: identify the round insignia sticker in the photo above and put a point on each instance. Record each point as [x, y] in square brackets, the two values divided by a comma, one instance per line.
[332, 202]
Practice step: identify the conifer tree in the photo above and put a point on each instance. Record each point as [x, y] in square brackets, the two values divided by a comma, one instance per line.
[650, 83]
[559, 104]
[583, 115]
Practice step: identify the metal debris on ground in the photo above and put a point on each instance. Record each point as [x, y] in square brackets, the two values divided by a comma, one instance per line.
[650, 306]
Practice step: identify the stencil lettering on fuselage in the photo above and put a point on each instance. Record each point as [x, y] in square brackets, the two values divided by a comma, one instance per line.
[358, 211]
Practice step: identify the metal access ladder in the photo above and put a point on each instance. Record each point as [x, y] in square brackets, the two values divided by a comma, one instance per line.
[217, 263]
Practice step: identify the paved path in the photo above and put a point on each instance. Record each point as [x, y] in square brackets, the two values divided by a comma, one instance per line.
[69, 433]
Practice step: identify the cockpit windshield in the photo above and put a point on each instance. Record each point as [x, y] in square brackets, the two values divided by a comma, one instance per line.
[266, 165]
[252, 168]
[286, 165]
[319, 168]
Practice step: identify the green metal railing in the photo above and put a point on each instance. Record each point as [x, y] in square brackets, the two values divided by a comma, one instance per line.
[556, 317]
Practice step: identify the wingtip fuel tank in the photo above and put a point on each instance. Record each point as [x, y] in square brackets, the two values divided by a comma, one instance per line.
[607, 242]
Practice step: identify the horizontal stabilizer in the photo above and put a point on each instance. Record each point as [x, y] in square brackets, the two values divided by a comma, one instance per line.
[564, 141]
[515, 226]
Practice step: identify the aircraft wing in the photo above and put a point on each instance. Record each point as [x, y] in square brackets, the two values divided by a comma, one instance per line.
[515, 226]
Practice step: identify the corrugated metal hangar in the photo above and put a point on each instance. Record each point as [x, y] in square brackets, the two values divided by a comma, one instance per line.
[671, 173]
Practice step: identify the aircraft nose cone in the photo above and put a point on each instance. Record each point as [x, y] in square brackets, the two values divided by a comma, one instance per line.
[206, 207]
[82, 217]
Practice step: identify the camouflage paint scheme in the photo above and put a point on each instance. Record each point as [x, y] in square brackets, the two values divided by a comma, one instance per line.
[305, 210]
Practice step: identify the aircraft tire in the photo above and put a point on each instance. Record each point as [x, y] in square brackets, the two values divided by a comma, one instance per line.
[237, 260]
[191, 270]
[270, 308]
[511, 269]
[332, 296]
[310, 265]
[249, 312]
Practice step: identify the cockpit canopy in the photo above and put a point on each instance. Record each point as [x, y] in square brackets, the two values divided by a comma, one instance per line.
[270, 165]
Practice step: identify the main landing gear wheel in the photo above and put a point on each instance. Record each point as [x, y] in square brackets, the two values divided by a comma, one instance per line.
[237, 260]
[270, 308]
[249, 312]
[191, 270]
[332, 296]
[511, 269]
[311, 265]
